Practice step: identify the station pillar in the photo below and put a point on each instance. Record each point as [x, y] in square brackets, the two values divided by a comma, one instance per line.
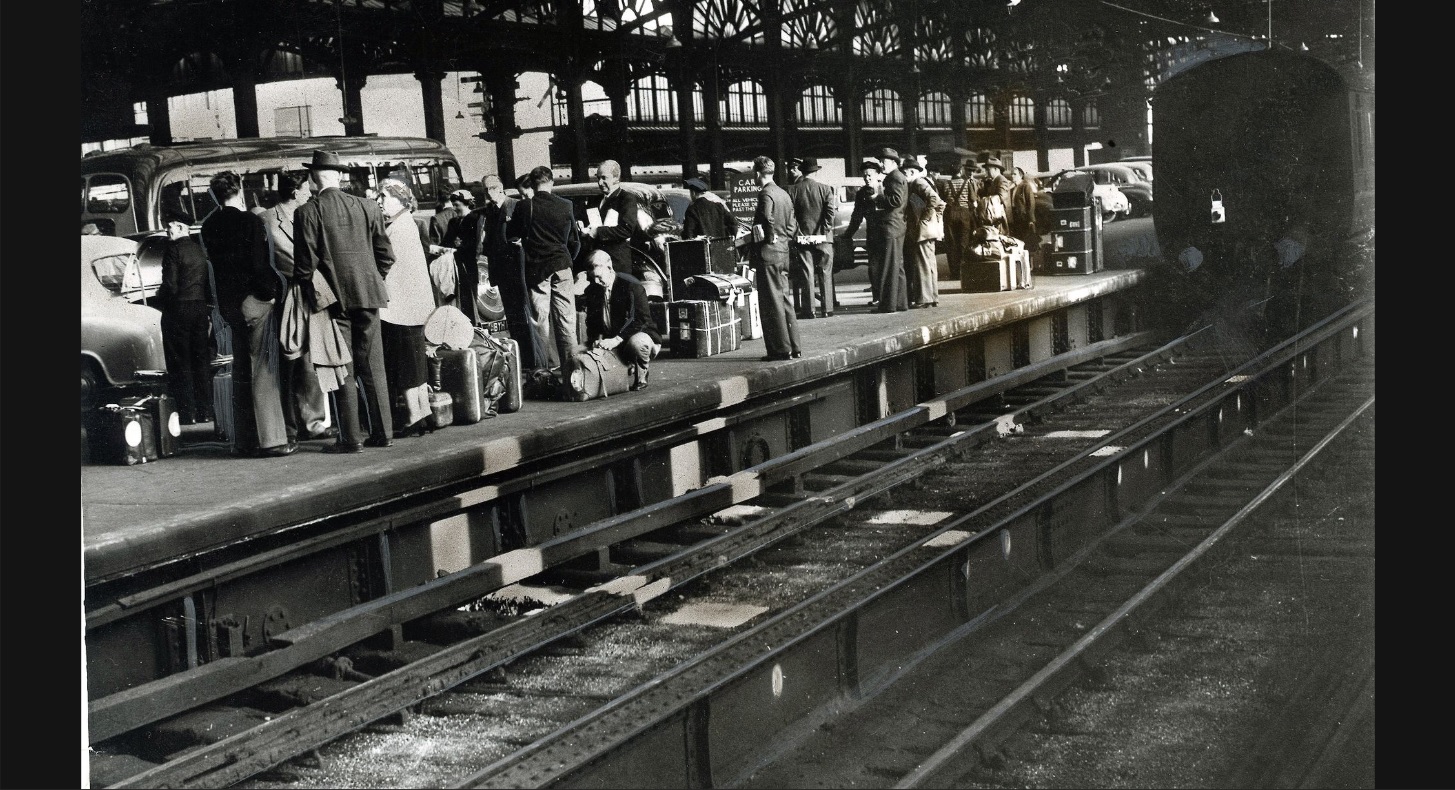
[351, 84]
[159, 120]
[245, 97]
[501, 86]
[432, 96]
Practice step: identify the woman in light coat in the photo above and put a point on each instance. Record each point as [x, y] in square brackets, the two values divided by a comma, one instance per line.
[411, 300]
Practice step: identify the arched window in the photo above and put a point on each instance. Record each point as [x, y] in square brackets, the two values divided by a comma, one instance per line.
[1022, 113]
[934, 110]
[881, 108]
[1058, 114]
[746, 104]
[1089, 115]
[652, 100]
[979, 112]
[816, 107]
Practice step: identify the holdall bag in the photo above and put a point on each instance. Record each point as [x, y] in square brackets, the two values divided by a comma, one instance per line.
[502, 354]
[597, 373]
[165, 420]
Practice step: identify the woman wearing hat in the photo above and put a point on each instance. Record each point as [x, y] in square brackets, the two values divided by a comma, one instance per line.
[411, 300]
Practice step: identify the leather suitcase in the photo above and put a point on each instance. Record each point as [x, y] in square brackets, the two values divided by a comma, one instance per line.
[702, 328]
[722, 287]
[598, 374]
[123, 433]
[989, 275]
[166, 421]
[460, 377]
[691, 257]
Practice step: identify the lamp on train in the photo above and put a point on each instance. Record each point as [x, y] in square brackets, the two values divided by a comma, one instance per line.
[1212, 19]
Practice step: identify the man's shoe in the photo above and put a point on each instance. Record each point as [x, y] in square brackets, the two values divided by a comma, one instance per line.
[331, 432]
[340, 447]
[776, 358]
[796, 355]
[378, 441]
[279, 451]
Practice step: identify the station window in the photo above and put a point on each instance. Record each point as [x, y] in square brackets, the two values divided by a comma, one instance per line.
[293, 121]
[816, 107]
[934, 110]
[1058, 114]
[139, 113]
[1091, 119]
[746, 104]
[1022, 113]
[979, 112]
[882, 108]
[652, 100]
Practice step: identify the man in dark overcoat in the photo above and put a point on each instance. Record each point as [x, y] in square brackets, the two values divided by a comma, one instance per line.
[343, 236]
[886, 237]
[773, 226]
[707, 214]
[815, 207]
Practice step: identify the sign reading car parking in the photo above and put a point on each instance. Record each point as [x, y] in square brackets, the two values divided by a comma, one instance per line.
[742, 195]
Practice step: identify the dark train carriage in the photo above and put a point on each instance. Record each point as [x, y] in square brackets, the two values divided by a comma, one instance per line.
[1265, 178]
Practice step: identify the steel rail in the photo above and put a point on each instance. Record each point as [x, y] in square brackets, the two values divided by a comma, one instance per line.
[929, 771]
[545, 760]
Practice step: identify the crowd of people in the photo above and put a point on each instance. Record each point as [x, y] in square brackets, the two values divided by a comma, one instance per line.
[329, 291]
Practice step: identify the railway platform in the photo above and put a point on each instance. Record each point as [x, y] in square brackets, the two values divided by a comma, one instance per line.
[138, 516]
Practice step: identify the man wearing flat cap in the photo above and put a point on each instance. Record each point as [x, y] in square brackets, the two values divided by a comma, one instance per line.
[888, 243]
[993, 197]
[343, 236]
[815, 204]
[707, 214]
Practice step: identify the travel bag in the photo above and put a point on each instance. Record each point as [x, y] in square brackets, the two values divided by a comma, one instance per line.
[460, 377]
[442, 410]
[167, 422]
[222, 399]
[502, 356]
[598, 373]
[700, 328]
[123, 433]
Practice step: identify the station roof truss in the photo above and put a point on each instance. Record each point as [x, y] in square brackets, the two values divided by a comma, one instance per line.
[1046, 48]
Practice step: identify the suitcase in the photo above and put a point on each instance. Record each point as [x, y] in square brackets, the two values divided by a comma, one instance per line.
[738, 292]
[598, 374]
[167, 422]
[460, 377]
[123, 433]
[222, 399]
[990, 274]
[700, 328]
[441, 410]
[1071, 263]
[693, 257]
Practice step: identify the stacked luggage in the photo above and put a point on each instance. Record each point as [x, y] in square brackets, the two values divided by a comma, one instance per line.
[994, 262]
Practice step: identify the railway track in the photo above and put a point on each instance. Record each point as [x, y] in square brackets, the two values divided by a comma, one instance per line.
[808, 533]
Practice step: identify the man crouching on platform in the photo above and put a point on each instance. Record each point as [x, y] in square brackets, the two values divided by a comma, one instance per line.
[618, 319]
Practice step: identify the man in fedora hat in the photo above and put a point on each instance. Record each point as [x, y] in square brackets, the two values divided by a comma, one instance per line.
[873, 174]
[815, 204]
[773, 225]
[887, 244]
[343, 236]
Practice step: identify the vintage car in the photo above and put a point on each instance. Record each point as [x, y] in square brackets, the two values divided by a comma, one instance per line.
[121, 342]
[1129, 181]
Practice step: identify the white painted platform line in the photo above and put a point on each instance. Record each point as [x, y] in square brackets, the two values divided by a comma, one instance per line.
[717, 615]
[920, 518]
[738, 515]
[1110, 449]
[948, 538]
[1076, 434]
[550, 596]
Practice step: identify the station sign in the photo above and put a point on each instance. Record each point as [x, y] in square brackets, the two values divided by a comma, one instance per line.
[743, 195]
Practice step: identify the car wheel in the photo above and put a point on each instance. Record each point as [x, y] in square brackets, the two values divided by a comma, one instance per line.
[1109, 216]
[91, 384]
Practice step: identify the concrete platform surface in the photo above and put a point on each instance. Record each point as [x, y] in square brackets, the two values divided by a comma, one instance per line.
[203, 498]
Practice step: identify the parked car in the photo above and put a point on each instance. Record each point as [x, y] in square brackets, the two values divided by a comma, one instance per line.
[1142, 166]
[121, 342]
[1127, 179]
[1114, 202]
[845, 188]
